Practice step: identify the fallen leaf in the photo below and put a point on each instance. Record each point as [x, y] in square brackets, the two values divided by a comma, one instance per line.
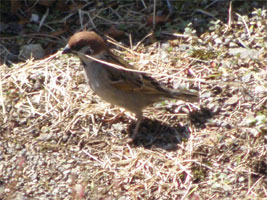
[158, 20]
[232, 100]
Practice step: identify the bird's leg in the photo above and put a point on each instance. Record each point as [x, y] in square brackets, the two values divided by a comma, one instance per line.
[114, 118]
[139, 117]
[136, 128]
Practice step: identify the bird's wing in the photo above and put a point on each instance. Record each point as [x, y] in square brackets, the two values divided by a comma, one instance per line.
[119, 61]
[140, 82]
[134, 82]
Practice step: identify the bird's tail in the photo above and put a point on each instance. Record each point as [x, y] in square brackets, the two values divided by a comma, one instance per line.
[185, 95]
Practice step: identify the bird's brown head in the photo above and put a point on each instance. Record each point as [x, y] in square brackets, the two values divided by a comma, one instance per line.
[85, 42]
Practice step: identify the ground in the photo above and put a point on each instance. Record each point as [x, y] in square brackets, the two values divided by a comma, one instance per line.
[58, 140]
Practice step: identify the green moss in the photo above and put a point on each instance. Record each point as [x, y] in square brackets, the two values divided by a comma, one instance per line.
[204, 54]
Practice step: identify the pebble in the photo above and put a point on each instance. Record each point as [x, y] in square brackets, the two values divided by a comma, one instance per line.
[35, 51]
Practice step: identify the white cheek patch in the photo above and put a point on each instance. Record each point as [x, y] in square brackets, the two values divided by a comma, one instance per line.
[94, 85]
[86, 77]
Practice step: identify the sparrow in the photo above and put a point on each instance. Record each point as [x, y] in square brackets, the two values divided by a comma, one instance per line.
[115, 81]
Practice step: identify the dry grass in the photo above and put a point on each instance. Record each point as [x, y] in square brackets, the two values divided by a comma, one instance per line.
[57, 141]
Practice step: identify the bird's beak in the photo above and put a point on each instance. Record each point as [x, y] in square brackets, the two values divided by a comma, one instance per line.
[66, 50]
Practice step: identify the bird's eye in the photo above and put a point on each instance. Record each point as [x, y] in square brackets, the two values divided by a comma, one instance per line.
[88, 50]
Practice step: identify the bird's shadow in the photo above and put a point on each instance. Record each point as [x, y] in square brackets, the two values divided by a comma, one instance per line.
[153, 133]
[156, 134]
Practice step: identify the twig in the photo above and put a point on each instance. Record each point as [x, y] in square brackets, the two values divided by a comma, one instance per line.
[94, 158]
[246, 26]
[91, 20]
[230, 14]
[112, 41]
[178, 35]
[1, 96]
[80, 18]
[137, 45]
[43, 19]
[187, 191]
[154, 14]
[206, 13]
[254, 184]
[144, 4]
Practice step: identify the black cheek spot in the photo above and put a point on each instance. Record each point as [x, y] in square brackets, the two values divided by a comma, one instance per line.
[89, 51]
[114, 78]
[84, 64]
[139, 81]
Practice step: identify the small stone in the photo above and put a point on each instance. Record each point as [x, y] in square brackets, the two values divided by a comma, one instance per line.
[245, 53]
[246, 78]
[218, 41]
[233, 100]
[232, 44]
[45, 137]
[35, 51]
[65, 138]
[241, 179]
[35, 18]
[206, 94]
[185, 110]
